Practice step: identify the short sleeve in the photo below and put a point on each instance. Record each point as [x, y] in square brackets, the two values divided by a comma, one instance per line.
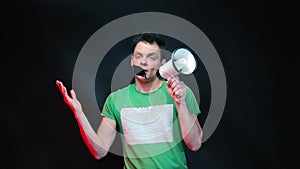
[108, 110]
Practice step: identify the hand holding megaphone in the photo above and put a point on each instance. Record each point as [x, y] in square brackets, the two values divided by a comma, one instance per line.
[182, 62]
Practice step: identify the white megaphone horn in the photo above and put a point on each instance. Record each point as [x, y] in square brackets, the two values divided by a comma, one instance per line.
[182, 61]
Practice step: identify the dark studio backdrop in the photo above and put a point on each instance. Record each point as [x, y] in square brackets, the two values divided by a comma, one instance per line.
[42, 40]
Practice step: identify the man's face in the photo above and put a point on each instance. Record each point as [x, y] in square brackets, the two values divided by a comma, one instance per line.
[147, 56]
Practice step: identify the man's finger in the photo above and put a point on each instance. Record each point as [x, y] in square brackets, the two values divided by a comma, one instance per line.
[59, 85]
[62, 89]
[174, 84]
[73, 94]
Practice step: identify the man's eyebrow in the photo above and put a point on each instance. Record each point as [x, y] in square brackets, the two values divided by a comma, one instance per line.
[149, 54]
[152, 53]
[137, 52]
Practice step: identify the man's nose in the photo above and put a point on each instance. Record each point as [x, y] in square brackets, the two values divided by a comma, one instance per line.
[144, 61]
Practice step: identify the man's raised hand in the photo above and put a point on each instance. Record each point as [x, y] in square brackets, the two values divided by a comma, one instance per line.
[72, 101]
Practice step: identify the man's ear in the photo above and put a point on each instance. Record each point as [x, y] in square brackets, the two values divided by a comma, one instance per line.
[163, 62]
[131, 62]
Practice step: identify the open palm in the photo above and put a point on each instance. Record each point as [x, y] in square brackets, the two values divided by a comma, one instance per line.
[72, 101]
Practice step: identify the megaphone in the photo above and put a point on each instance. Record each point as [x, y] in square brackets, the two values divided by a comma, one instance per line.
[182, 62]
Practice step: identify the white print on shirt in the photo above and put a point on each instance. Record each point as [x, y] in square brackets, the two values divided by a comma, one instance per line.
[153, 124]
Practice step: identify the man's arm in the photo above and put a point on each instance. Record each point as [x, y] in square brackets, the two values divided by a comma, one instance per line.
[98, 144]
[190, 127]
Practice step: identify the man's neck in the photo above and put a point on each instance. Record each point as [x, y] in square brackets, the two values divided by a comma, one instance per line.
[148, 87]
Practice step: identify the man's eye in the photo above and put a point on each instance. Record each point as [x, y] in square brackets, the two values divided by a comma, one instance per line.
[152, 57]
[138, 56]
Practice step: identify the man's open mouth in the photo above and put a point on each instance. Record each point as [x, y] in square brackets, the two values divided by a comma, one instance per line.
[139, 71]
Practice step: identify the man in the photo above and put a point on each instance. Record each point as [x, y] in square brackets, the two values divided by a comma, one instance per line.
[155, 117]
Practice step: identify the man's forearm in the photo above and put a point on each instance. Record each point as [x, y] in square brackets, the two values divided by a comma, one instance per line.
[190, 127]
[89, 137]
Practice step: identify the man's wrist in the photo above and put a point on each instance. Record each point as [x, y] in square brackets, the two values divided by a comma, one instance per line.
[181, 104]
[78, 114]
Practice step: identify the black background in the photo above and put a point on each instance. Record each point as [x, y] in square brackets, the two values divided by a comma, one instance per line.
[256, 42]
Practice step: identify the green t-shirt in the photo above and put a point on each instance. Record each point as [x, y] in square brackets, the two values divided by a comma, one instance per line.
[149, 127]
